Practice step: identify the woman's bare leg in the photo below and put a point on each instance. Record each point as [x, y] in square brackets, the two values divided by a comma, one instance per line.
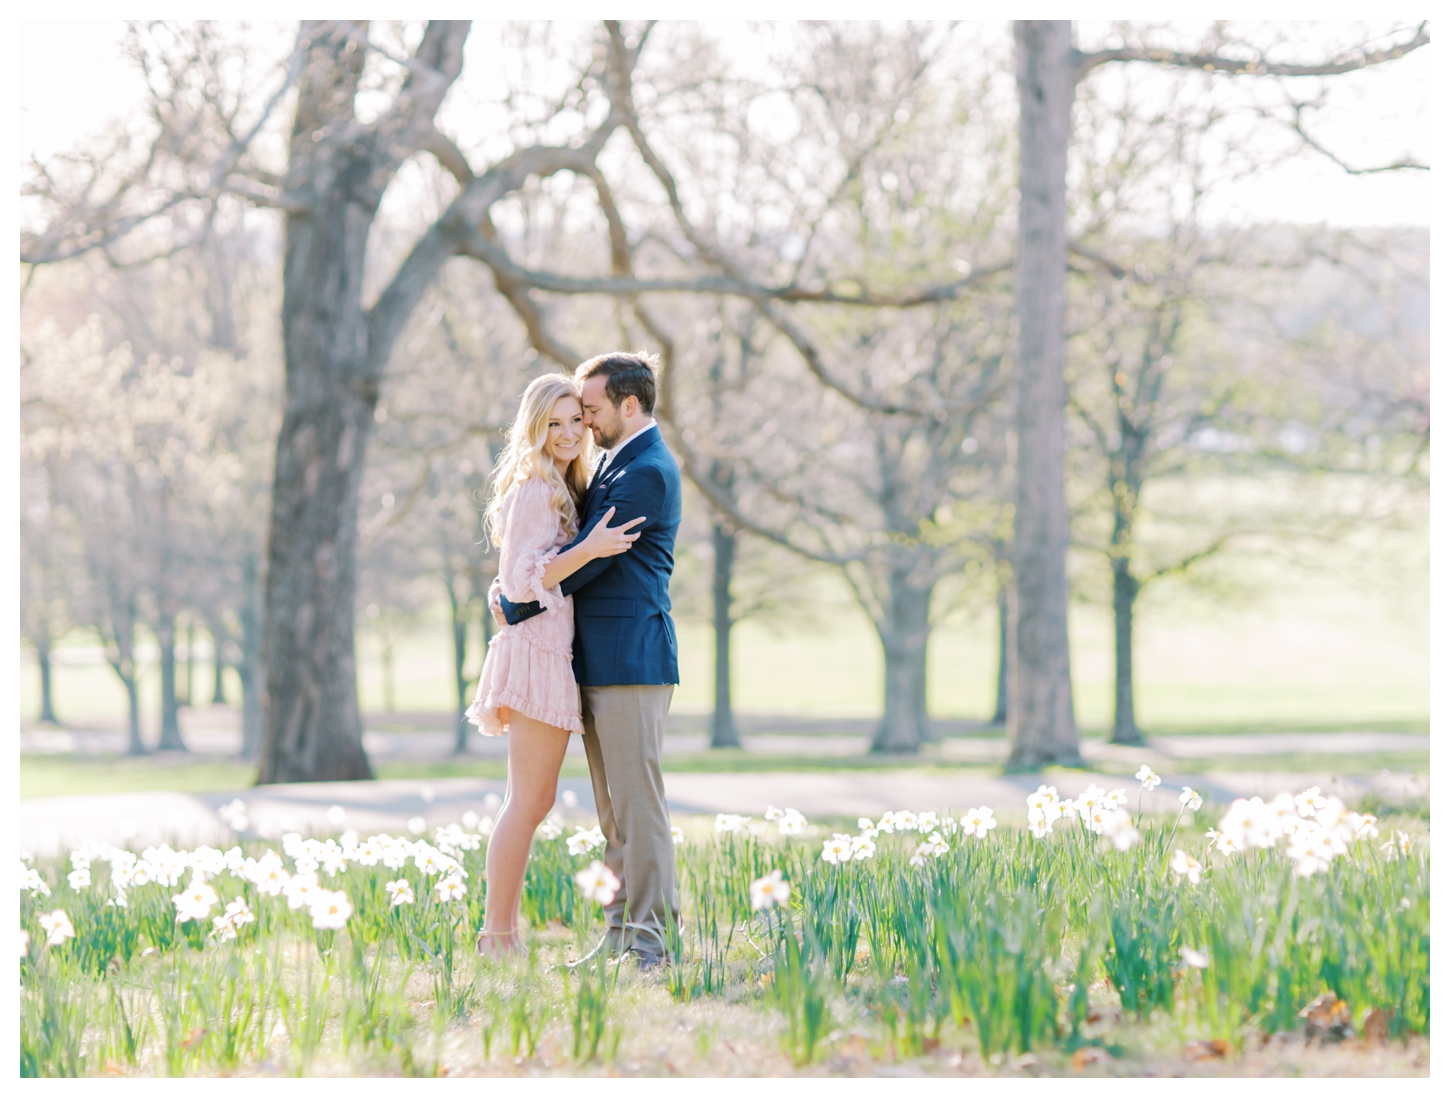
[536, 752]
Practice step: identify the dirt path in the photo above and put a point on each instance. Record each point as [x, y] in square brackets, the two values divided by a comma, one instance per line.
[50, 824]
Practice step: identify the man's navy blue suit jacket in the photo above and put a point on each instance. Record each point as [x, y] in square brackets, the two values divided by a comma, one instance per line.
[623, 635]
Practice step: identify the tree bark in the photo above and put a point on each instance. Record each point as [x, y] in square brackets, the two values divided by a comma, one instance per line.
[334, 352]
[1125, 594]
[249, 670]
[1004, 610]
[904, 725]
[121, 655]
[218, 662]
[1042, 727]
[723, 732]
[312, 730]
[42, 658]
[183, 697]
[170, 725]
[460, 657]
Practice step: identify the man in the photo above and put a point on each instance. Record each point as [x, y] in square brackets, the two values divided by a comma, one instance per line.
[625, 652]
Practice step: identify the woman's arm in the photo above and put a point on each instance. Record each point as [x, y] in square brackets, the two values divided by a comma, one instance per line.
[603, 540]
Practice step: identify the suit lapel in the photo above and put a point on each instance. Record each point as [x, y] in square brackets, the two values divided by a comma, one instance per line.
[627, 453]
[639, 444]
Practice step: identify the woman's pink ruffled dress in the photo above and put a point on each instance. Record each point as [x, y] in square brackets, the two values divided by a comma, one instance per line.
[529, 667]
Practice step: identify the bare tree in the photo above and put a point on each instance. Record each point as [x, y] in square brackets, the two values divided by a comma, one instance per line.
[49, 566]
[1049, 68]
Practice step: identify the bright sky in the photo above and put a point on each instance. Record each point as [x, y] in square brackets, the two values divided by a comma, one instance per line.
[1375, 117]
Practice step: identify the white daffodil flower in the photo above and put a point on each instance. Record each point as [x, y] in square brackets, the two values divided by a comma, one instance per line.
[578, 843]
[1119, 830]
[330, 910]
[1190, 799]
[57, 927]
[450, 888]
[1044, 796]
[597, 882]
[836, 850]
[1149, 780]
[978, 822]
[1310, 801]
[791, 822]
[677, 835]
[1193, 958]
[767, 891]
[196, 902]
[301, 890]
[1186, 865]
[400, 891]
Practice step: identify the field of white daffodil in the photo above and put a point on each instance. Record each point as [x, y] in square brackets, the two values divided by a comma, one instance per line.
[1094, 936]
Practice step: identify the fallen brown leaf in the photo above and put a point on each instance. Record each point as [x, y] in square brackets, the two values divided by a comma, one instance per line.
[1215, 1049]
[1088, 1055]
[1327, 1017]
[1375, 1024]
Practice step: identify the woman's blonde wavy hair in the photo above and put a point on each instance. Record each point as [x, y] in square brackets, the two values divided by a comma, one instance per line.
[523, 457]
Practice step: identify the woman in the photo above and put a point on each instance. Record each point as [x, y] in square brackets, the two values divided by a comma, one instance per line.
[527, 688]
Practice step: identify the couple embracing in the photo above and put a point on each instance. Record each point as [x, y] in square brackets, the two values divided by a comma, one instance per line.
[586, 646]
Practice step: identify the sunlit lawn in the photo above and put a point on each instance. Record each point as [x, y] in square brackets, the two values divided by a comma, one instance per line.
[1285, 651]
[1292, 649]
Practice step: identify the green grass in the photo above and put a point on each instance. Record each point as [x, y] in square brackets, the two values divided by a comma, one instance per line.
[1265, 643]
[65, 775]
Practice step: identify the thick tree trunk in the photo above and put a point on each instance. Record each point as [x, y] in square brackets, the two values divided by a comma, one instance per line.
[185, 698]
[134, 744]
[904, 725]
[170, 725]
[42, 657]
[723, 732]
[121, 655]
[389, 697]
[1004, 610]
[1042, 727]
[249, 671]
[218, 662]
[334, 353]
[1125, 594]
[312, 727]
[460, 656]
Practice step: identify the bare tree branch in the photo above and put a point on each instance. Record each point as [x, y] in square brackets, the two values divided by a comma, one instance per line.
[1298, 127]
[1214, 62]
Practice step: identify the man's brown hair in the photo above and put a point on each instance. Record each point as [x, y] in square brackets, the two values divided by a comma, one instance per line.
[629, 374]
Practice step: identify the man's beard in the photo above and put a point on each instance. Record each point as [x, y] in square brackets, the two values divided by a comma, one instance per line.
[608, 440]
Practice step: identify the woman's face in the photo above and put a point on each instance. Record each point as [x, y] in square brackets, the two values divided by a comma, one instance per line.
[565, 440]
